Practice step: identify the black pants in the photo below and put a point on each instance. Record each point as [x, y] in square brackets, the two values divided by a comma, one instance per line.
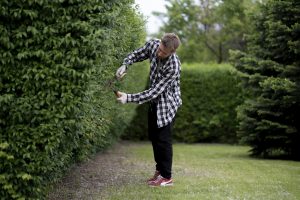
[161, 139]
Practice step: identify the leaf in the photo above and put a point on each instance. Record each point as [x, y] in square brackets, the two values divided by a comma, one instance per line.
[4, 145]
[26, 176]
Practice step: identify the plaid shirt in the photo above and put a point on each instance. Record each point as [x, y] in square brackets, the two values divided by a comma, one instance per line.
[164, 82]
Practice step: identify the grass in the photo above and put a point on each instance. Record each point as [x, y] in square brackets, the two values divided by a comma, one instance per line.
[209, 172]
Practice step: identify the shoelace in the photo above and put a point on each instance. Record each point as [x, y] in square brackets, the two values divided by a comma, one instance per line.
[159, 178]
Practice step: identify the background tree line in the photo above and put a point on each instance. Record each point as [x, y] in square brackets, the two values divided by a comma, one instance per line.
[209, 28]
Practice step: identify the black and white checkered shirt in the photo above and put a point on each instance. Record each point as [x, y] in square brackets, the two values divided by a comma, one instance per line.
[164, 87]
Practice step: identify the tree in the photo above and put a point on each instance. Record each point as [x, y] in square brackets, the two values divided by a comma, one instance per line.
[208, 28]
[269, 120]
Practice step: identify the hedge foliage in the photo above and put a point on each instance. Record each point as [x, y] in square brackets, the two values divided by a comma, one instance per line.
[210, 95]
[136, 121]
[54, 108]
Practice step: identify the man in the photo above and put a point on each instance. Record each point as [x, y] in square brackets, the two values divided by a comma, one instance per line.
[164, 97]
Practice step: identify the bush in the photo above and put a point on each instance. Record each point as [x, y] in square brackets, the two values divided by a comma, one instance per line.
[135, 121]
[210, 94]
[54, 56]
[102, 115]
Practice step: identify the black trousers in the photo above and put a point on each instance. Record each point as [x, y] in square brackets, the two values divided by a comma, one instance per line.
[161, 139]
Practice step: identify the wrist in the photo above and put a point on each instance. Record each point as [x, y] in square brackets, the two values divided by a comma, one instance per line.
[126, 65]
[128, 98]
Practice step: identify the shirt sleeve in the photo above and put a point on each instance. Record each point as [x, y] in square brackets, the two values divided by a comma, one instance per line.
[170, 75]
[139, 54]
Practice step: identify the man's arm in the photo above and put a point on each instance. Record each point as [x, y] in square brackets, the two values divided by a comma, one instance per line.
[139, 54]
[170, 75]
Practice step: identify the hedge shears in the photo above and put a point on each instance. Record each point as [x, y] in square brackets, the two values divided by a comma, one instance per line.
[112, 82]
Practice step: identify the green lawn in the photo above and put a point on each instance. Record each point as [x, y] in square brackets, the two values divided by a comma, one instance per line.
[210, 172]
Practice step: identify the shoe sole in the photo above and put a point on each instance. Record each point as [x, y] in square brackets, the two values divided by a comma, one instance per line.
[164, 185]
[167, 185]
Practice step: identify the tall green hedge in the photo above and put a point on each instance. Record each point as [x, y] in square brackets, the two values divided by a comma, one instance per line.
[136, 122]
[210, 95]
[54, 108]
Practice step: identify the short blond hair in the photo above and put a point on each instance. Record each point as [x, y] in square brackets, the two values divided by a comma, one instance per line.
[171, 41]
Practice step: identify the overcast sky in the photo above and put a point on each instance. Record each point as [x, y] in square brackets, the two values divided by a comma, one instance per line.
[147, 7]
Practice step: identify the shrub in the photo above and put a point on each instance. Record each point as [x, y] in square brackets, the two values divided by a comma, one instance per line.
[210, 94]
[54, 55]
[134, 123]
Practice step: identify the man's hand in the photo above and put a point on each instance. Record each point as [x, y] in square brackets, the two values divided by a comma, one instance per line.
[121, 72]
[122, 97]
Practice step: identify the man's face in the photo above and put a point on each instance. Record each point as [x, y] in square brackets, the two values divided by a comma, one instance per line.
[162, 52]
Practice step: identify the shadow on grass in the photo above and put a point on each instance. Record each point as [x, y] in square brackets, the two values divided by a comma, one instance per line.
[271, 156]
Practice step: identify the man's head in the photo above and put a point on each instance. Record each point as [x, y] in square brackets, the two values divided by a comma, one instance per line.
[169, 43]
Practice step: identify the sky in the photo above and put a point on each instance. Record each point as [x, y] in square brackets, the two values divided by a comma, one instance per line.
[147, 7]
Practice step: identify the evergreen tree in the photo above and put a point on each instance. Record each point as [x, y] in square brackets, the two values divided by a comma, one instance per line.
[271, 70]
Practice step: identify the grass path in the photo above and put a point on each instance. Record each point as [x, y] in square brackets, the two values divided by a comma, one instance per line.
[200, 171]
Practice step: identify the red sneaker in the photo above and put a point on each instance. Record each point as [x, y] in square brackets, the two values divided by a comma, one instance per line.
[156, 174]
[161, 181]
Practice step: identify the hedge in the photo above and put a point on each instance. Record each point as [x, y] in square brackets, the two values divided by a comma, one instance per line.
[54, 109]
[136, 121]
[210, 95]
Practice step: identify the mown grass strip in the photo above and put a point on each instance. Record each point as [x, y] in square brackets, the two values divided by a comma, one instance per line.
[212, 171]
